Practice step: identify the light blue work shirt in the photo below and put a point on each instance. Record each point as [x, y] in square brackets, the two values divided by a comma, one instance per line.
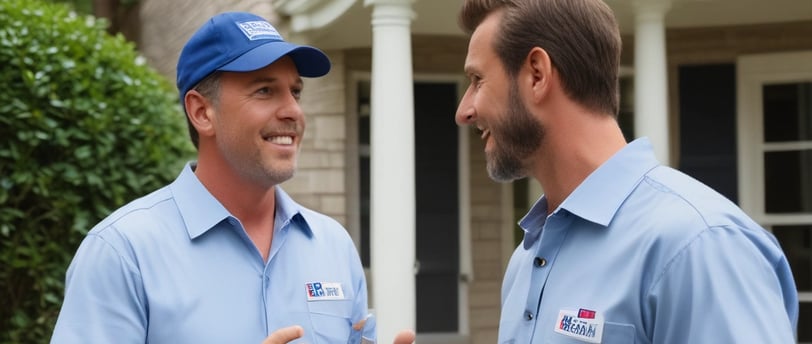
[176, 267]
[642, 253]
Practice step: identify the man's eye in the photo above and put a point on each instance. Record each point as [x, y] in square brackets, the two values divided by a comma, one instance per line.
[297, 93]
[476, 81]
[264, 90]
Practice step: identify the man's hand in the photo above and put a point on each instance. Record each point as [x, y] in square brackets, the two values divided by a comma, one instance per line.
[284, 335]
[287, 334]
[404, 337]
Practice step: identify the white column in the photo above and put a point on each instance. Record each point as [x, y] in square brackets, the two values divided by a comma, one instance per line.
[392, 194]
[651, 75]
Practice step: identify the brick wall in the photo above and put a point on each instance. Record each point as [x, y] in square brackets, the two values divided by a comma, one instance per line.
[167, 24]
[487, 219]
[320, 181]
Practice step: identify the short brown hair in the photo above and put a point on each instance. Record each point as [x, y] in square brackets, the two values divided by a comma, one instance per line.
[209, 88]
[581, 37]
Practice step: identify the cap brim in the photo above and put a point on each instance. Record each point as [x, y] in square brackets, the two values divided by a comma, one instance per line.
[310, 62]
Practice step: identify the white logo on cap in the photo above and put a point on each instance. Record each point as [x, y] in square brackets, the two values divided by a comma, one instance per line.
[259, 30]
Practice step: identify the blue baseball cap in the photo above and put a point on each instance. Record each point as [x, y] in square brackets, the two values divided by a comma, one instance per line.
[241, 42]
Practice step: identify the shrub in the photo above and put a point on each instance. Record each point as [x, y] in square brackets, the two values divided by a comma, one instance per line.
[86, 126]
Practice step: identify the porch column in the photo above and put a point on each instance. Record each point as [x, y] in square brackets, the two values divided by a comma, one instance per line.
[392, 194]
[651, 75]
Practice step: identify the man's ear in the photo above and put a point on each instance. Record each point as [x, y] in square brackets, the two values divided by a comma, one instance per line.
[541, 72]
[200, 112]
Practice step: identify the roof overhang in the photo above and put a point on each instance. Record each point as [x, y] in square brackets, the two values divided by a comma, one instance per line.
[338, 24]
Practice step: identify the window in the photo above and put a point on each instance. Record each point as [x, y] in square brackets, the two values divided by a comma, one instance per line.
[774, 123]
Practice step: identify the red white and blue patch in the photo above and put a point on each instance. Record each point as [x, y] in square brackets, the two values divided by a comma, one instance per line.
[320, 291]
[584, 324]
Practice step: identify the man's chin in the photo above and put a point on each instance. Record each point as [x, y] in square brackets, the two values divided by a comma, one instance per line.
[504, 174]
[274, 175]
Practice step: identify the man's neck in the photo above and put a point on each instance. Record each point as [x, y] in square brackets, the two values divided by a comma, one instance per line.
[572, 150]
[250, 202]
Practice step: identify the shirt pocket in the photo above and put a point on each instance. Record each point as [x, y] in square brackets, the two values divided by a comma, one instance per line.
[331, 320]
[613, 333]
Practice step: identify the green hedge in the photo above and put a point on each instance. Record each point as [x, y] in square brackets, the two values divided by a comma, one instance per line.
[86, 126]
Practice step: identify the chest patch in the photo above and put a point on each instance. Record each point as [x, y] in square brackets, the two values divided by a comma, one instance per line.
[322, 291]
[584, 324]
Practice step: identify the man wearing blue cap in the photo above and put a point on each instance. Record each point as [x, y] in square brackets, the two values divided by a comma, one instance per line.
[223, 254]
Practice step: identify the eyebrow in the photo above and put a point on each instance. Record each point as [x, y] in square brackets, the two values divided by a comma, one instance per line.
[470, 69]
[271, 80]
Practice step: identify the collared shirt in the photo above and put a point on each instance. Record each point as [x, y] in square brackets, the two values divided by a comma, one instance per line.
[176, 267]
[642, 253]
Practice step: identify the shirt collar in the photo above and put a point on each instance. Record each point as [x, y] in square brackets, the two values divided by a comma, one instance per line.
[533, 221]
[600, 195]
[201, 211]
[288, 211]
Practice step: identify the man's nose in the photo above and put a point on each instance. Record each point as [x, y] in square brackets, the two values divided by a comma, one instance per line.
[466, 114]
[291, 110]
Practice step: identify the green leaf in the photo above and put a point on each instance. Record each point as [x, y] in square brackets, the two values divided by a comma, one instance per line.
[87, 126]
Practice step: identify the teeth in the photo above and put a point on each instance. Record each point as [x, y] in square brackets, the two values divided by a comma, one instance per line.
[281, 140]
[483, 132]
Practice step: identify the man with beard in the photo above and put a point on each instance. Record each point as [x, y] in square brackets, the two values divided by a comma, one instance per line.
[620, 248]
[223, 254]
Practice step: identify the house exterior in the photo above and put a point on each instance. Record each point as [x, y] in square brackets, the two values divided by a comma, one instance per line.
[723, 88]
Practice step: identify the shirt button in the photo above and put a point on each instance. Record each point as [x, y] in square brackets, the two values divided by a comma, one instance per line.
[539, 262]
[528, 315]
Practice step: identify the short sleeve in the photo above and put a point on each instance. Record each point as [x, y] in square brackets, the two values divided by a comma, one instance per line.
[104, 297]
[727, 286]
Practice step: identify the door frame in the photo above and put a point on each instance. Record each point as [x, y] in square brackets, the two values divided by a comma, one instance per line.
[466, 271]
[752, 72]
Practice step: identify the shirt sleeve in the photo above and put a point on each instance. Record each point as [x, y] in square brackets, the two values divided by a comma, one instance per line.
[728, 285]
[104, 298]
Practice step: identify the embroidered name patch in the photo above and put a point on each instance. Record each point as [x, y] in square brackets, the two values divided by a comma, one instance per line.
[319, 291]
[259, 30]
[585, 325]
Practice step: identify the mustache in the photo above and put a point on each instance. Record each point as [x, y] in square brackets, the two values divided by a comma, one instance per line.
[288, 128]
